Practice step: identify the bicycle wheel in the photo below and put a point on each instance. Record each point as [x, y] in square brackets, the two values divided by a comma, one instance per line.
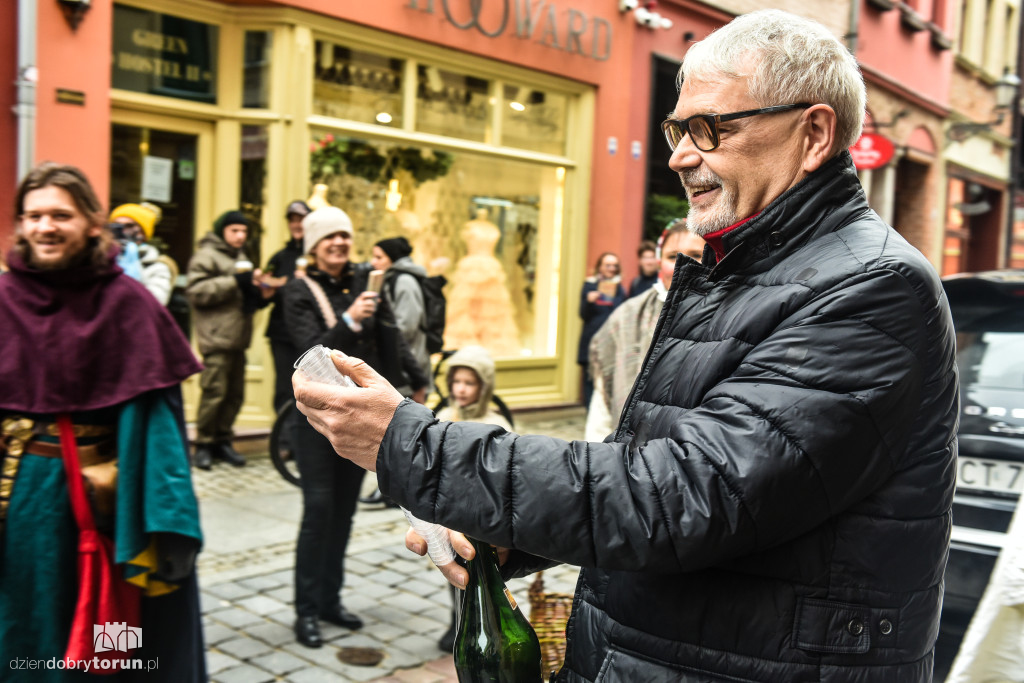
[284, 458]
[504, 410]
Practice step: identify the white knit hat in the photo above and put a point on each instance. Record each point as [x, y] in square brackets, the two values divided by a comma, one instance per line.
[324, 223]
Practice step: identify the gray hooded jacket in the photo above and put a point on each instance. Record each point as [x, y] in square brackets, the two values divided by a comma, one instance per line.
[403, 293]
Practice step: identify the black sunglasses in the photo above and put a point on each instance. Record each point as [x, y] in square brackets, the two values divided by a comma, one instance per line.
[703, 128]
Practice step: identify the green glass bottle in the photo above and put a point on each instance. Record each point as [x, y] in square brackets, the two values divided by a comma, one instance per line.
[494, 642]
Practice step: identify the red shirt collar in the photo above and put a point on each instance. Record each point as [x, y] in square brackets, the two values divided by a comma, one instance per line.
[714, 239]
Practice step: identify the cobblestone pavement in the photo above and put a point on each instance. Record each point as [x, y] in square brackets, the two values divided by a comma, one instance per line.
[250, 520]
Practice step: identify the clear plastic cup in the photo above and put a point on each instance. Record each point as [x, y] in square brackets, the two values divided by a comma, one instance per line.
[316, 365]
[439, 546]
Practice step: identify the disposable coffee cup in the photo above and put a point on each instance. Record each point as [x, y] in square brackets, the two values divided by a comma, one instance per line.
[374, 281]
[608, 287]
[243, 266]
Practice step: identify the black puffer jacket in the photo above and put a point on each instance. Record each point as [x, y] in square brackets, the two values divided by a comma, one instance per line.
[776, 503]
[379, 343]
[282, 264]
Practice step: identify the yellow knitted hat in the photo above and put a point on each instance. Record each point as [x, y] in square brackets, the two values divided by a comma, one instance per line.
[146, 215]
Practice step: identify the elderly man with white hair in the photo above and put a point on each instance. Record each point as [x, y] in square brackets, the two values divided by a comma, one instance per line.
[775, 502]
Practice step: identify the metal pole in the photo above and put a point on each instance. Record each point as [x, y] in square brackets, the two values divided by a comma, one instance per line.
[25, 108]
[851, 36]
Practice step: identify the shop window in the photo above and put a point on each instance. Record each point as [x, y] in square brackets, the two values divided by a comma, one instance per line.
[665, 198]
[137, 155]
[534, 119]
[253, 185]
[164, 55]
[357, 86]
[256, 80]
[492, 227]
[453, 104]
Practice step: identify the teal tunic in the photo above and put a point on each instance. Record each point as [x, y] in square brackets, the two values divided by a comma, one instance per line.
[38, 565]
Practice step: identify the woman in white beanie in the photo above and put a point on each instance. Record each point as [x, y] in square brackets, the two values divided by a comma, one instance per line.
[331, 307]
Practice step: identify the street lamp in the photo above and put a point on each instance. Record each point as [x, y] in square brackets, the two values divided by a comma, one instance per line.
[74, 10]
[1006, 92]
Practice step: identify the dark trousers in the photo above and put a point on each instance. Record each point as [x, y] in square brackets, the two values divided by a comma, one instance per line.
[175, 621]
[330, 490]
[588, 385]
[223, 390]
[285, 354]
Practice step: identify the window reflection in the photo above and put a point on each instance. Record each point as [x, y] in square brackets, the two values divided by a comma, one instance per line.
[452, 104]
[534, 119]
[256, 81]
[492, 228]
[358, 86]
[253, 185]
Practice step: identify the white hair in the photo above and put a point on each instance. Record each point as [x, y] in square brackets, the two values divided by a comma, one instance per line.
[786, 59]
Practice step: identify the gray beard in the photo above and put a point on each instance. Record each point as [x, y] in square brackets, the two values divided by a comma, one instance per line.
[701, 222]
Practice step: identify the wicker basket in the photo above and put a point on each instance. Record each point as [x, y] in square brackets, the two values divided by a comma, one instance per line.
[549, 613]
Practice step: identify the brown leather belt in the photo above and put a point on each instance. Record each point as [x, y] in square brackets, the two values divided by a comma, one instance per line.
[81, 431]
[93, 454]
[19, 436]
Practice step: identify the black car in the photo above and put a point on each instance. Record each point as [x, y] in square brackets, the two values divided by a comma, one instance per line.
[988, 314]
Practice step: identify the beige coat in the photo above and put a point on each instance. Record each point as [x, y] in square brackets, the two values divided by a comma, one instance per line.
[477, 359]
[216, 299]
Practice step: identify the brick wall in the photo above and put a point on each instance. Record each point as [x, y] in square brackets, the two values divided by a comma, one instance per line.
[973, 98]
[917, 213]
[917, 197]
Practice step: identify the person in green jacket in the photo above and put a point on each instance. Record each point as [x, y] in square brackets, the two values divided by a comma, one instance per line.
[224, 291]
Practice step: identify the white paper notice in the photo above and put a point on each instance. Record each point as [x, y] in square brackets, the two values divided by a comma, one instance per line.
[156, 178]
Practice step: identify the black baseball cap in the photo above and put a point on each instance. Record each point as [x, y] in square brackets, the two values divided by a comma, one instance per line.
[298, 207]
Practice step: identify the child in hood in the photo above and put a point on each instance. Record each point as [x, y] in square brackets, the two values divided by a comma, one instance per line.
[470, 382]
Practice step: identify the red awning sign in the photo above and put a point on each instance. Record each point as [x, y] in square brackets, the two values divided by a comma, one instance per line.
[872, 151]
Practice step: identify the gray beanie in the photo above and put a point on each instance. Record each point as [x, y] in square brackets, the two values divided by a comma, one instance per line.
[324, 223]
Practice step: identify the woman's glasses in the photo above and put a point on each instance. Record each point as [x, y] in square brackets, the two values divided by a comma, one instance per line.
[703, 128]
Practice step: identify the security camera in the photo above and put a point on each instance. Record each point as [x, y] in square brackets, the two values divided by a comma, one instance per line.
[628, 5]
[653, 20]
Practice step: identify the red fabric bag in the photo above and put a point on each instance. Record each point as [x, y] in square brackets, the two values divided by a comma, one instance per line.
[107, 620]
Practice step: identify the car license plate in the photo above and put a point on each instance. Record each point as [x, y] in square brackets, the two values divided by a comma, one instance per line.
[989, 475]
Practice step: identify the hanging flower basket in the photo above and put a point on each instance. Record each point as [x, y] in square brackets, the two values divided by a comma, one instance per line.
[332, 157]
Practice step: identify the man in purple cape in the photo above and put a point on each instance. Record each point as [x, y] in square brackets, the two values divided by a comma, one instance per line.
[82, 339]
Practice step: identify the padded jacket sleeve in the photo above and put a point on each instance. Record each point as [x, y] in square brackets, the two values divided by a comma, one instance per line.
[156, 277]
[208, 285]
[812, 421]
[394, 349]
[407, 305]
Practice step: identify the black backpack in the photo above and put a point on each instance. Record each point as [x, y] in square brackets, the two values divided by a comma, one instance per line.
[434, 308]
